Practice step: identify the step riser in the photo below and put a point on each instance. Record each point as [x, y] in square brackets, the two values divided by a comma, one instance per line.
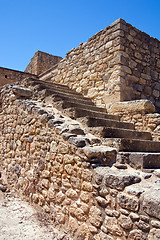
[82, 113]
[133, 145]
[95, 122]
[73, 99]
[140, 160]
[84, 106]
[123, 133]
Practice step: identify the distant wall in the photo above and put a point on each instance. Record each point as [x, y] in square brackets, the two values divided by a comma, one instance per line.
[8, 76]
[41, 62]
[117, 64]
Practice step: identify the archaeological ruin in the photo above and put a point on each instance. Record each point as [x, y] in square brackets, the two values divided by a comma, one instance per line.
[80, 136]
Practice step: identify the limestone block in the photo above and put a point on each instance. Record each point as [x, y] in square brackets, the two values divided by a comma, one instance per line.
[87, 186]
[46, 174]
[20, 91]
[95, 217]
[85, 196]
[151, 202]
[120, 179]
[125, 222]
[112, 226]
[71, 194]
[60, 197]
[128, 202]
[136, 234]
[154, 234]
[132, 106]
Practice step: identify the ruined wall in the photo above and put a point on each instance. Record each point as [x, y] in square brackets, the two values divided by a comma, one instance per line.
[8, 76]
[117, 64]
[41, 62]
[91, 202]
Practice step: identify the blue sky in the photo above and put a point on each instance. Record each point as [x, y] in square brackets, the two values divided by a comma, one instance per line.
[57, 26]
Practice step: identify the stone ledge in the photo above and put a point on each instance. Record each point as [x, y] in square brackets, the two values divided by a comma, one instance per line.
[132, 106]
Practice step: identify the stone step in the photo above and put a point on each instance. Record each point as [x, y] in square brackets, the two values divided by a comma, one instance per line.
[80, 112]
[107, 132]
[71, 98]
[95, 122]
[69, 104]
[55, 87]
[133, 145]
[140, 160]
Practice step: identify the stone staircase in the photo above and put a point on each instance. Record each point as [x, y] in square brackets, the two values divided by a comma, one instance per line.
[134, 147]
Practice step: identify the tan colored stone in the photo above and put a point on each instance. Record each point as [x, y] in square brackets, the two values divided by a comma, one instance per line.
[95, 216]
[132, 106]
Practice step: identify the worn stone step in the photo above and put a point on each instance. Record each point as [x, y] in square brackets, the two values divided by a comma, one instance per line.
[107, 132]
[55, 87]
[95, 122]
[140, 160]
[80, 112]
[68, 104]
[72, 98]
[133, 145]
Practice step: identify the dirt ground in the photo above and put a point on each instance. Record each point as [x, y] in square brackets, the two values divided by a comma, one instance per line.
[20, 221]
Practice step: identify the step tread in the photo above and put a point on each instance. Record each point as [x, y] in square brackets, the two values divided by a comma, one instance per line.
[95, 121]
[133, 145]
[84, 112]
[129, 133]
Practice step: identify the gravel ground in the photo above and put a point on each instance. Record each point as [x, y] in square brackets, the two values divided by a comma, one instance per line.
[20, 221]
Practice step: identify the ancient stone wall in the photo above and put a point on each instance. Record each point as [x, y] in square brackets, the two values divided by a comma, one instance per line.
[140, 61]
[93, 68]
[41, 62]
[139, 112]
[89, 201]
[117, 64]
[8, 76]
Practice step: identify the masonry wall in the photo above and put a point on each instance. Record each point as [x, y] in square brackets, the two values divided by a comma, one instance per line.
[93, 68]
[41, 62]
[140, 68]
[8, 76]
[89, 202]
[117, 64]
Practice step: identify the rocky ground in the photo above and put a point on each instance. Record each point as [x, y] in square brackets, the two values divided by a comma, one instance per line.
[20, 221]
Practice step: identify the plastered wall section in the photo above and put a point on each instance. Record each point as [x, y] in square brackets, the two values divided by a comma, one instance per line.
[117, 64]
[90, 203]
[8, 76]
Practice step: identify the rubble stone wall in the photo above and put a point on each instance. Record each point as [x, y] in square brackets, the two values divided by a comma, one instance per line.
[8, 76]
[117, 64]
[91, 202]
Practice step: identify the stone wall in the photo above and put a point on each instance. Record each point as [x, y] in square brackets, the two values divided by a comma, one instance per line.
[93, 68]
[89, 201]
[139, 112]
[8, 76]
[117, 64]
[41, 62]
[140, 61]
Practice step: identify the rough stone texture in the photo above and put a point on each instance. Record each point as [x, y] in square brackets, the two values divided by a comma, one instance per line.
[41, 62]
[53, 162]
[113, 66]
[8, 76]
[132, 106]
